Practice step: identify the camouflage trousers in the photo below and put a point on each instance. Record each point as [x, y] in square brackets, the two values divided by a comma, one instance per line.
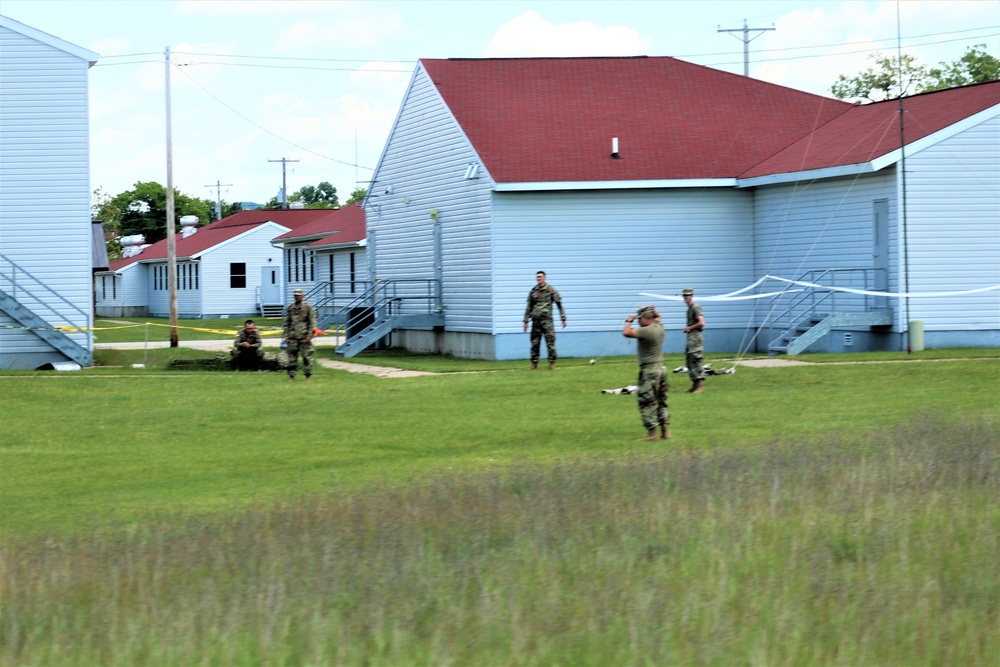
[539, 328]
[304, 348]
[652, 394]
[694, 356]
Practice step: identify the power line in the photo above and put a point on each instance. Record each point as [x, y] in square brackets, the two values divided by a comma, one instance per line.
[264, 129]
[746, 42]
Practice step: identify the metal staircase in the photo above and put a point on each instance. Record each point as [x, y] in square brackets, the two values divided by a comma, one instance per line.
[44, 312]
[814, 312]
[268, 310]
[369, 316]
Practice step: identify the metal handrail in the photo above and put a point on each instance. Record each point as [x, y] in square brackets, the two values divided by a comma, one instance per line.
[817, 296]
[12, 279]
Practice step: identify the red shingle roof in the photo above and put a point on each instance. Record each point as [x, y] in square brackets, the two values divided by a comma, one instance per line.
[342, 225]
[869, 131]
[552, 119]
[223, 230]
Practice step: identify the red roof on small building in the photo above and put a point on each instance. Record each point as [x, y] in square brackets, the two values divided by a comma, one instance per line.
[222, 230]
[343, 225]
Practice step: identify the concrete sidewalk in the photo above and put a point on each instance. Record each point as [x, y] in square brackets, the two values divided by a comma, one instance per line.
[270, 342]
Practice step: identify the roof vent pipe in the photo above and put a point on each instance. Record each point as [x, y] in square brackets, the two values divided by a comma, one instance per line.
[614, 148]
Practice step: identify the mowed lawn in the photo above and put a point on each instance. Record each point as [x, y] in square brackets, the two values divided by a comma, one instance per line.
[821, 514]
[118, 444]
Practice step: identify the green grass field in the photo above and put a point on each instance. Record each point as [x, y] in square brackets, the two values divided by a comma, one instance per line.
[811, 515]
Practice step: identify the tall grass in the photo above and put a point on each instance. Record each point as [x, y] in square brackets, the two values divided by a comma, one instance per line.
[841, 550]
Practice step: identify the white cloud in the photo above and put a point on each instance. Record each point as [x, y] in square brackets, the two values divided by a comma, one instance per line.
[530, 35]
[810, 48]
[260, 7]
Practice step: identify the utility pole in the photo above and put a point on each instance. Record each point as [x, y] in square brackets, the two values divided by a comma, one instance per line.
[218, 197]
[746, 42]
[284, 181]
[171, 242]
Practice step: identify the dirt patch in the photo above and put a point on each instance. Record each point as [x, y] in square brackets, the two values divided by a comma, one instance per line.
[771, 362]
[377, 371]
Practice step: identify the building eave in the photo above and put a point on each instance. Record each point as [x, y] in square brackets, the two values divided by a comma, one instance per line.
[617, 185]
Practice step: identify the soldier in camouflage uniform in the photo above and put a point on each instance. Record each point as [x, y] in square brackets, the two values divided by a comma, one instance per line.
[247, 352]
[652, 386]
[694, 348]
[539, 312]
[300, 327]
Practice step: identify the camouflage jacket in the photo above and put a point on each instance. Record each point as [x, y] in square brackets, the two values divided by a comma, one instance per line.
[244, 336]
[540, 301]
[300, 321]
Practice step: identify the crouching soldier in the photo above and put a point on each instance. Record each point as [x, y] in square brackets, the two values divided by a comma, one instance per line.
[247, 352]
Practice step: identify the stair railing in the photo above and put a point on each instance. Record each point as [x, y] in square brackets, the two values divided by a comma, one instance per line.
[807, 302]
[26, 289]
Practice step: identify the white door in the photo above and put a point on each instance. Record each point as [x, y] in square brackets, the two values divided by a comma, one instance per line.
[270, 287]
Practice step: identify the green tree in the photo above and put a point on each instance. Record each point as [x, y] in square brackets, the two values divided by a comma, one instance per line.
[882, 82]
[144, 210]
[356, 196]
[892, 77]
[323, 195]
[975, 66]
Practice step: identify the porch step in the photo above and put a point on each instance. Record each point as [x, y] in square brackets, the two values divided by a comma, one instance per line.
[271, 309]
[803, 334]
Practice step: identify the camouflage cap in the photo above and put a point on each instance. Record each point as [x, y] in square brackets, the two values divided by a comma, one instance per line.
[687, 291]
[298, 292]
[646, 311]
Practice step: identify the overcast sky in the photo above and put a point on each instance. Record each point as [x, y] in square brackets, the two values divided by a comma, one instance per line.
[320, 82]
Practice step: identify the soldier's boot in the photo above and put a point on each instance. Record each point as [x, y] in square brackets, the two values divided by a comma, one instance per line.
[552, 365]
[534, 365]
[650, 437]
[664, 432]
[699, 386]
[690, 390]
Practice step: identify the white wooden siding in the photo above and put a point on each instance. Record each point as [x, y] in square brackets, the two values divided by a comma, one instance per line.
[602, 249]
[424, 162]
[45, 223]
[821, 225]
[953, 229]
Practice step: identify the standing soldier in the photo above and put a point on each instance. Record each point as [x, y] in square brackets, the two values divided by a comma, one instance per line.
[652, 383]
[300, 327]
[539, 313]
[694, 349]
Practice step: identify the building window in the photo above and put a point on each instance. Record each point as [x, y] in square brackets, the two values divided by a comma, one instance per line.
[237, 275]
[352, 273]
[196, 276]
[312, 266]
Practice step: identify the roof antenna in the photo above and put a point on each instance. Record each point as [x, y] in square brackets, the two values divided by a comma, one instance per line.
[614, 148]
